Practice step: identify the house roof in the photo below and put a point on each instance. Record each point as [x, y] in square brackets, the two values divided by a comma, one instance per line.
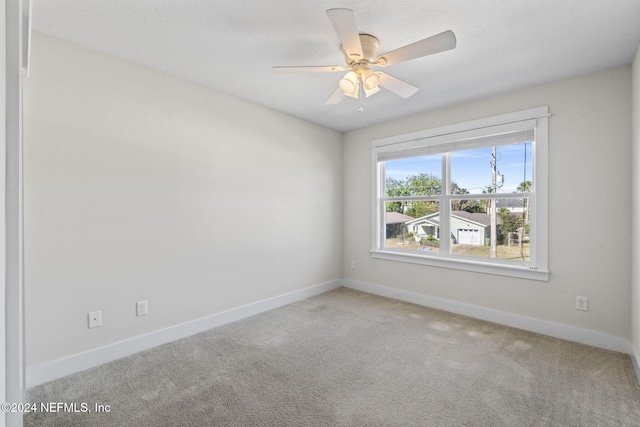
[396, 218]
[476, 217]
[510, 203]
[480, 218]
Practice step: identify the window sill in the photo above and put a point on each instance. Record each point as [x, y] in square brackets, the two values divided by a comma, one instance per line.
[522, 272]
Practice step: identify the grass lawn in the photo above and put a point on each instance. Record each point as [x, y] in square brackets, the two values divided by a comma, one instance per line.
[411, 245]
[504, 251]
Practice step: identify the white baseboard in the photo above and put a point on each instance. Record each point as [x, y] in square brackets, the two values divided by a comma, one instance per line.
[557, 330]
[635, 360]
[79, 362]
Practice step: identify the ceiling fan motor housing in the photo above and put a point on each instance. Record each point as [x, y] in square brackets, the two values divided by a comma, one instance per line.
[370, 48]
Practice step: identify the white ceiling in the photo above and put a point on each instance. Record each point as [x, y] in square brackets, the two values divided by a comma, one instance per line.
[232, 45]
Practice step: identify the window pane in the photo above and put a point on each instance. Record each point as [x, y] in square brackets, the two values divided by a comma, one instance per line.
[414, 176]
[471, 227]
[471, 170]
[417, 229]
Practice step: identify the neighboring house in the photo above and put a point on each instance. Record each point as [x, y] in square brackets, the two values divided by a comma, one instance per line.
[396, 224]
[428, 225]
[515, 206]
[466, 227]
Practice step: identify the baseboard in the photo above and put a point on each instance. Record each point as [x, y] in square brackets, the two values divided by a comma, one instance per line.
[79, 362]
[40, 374]
[557, 330]
[635, 360]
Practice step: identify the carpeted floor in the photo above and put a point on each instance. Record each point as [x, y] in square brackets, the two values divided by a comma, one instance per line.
[347, 358]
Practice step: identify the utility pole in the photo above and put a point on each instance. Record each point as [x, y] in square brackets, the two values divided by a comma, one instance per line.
[494, 189]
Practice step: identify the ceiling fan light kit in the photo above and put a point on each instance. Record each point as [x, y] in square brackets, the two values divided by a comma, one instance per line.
[370, 79]
[360, 76]
[360, 51]
[350, 83]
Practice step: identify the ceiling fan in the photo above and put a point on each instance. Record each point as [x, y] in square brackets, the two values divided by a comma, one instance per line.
[360, 52]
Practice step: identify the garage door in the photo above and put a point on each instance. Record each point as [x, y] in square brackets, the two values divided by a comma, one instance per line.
[469, 237]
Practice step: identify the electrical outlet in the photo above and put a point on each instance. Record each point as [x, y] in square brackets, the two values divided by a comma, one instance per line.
[141, 308]
[95, 319]
[582, 303]
[353, 265]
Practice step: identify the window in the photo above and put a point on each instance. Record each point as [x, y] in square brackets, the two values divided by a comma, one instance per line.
[470, 196]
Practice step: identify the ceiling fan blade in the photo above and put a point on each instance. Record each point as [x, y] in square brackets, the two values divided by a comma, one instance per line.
[345, 25]
[397, 86]
[430, 45]
[306, 69]
[335, 97]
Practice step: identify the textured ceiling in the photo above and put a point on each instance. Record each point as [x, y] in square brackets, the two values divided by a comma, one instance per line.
[232, 45]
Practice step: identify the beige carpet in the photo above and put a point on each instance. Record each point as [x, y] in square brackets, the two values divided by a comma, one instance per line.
[347, 358]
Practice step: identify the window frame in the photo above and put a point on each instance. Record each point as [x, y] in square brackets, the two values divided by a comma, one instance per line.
[444, 140]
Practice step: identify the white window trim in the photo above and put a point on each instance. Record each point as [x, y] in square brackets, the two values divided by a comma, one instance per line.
[456, 132]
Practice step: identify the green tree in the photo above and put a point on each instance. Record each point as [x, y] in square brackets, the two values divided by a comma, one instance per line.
[523, 188]
[510, 223]
[474, 206]
[421, 208]
[423, 184]
[395, 188]
[459, 205]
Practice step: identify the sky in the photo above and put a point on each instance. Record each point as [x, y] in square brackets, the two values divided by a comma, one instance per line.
[471, 169]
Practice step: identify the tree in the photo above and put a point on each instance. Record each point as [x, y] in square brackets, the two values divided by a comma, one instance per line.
[396, 188]
[525, 187]
[510, 221]
[459, 205]
[473, 206]
[423, 184]
[421, 208]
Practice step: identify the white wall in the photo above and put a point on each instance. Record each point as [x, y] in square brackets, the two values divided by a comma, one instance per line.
[635, 302]
[12, 371]
[589, 208]
[143, 186]
[4, 345]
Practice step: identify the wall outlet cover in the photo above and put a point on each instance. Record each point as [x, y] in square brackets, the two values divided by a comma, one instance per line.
[582, 303]
[95, 319]
[141, 308]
